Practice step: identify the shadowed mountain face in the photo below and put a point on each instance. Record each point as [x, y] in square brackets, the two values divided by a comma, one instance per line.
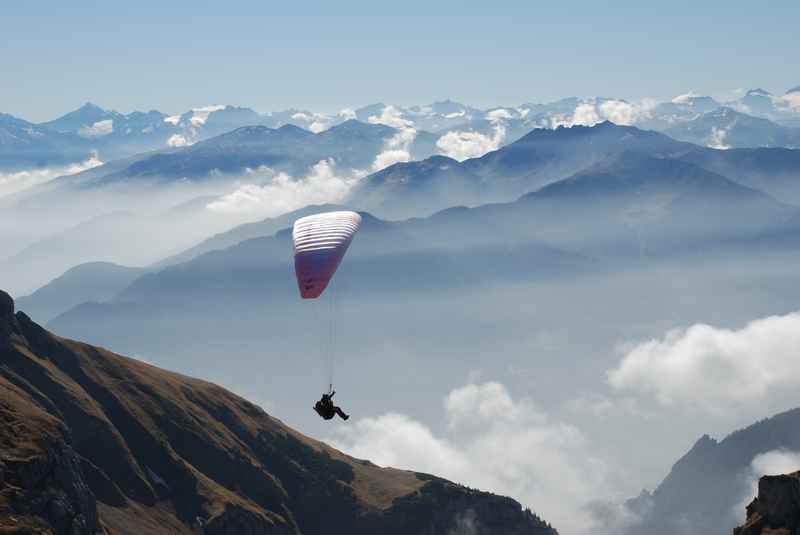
[24, 145]
[96, 281]
[776, 509]
[546, 156]
[725, 128]
[352, 145]
[703, 489]
[94, 442]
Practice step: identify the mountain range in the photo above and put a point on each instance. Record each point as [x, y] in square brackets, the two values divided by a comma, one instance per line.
[705, 487]
[113, 135]
[545, 156]
[93, 442]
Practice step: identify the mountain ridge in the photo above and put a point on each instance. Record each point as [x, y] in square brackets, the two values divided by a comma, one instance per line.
[105, 442]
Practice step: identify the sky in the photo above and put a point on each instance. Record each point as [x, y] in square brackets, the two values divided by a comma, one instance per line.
[171, 56]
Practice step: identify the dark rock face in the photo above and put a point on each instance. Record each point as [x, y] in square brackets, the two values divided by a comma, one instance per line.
[700, 493]
[776, 509]
[52, 487]
[94, 442]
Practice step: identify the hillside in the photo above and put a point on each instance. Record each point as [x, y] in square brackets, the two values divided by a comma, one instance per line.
[93, 442]
[704, 486]
[545, 156]
[776, 509]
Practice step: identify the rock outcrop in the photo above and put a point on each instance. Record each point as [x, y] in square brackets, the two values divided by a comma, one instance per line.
[776, 509]
[93, 442]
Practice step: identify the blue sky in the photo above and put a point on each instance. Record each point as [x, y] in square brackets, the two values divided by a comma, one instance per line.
[327, 55]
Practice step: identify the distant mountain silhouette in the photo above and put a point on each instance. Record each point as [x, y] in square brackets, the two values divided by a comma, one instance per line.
[96, 442]
[24, 145]
[352, 145]
[727, 128]
[545, 156]
[95, 281]
[702, 490]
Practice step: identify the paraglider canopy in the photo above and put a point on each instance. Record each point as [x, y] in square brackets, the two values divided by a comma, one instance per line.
[320, 242]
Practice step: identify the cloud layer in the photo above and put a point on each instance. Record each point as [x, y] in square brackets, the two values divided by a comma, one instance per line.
[496, 443]
[397, 148]
[22, 180]
[283, 193]
[713, 368]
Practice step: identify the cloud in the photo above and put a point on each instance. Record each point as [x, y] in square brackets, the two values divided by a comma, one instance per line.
[283, 193]
[391, 116]
[177, 140]
[591, 112]
[173, 119]
[496, 443]
[621, 112]
[500, 114]
[347, 114]
[791, 101]
[585, 114]
[98, 129]
[22, 180]
[200, 115]
[715, 369]
[771, 463]
[717, 138]
[685, 98]
[462, 145]
[398, 147]
[315, 122]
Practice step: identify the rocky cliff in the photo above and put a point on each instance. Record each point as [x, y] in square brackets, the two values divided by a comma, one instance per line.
[93, 442]
[776, 509]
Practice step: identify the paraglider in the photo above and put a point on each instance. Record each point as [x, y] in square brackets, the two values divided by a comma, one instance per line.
[327, 409]
[320, 242]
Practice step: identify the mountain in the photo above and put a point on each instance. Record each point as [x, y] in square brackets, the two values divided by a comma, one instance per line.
[352, 145]
[247, 231]
[702, 490]
[82, 120]
[541, 157]
[776, 509]
[94, 442]
[544, 156]
[95, 281]
[25, 146]
[630, 211]
[726, 128]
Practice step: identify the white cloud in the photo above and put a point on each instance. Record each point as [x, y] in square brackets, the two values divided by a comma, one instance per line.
[791, 101]
[283, 193]
[177, 140]
[495, 443]
[620, 112]
[22, 180]
[347, 114]
[397, 148]
[717, 138]
[200, 115]
[685, 98]
[771, 463]
[391, 116]
[715, 369]
[464, 145]
[173, 119]
[500, 114]
[98, 129]
[585, 114]
[455, 114]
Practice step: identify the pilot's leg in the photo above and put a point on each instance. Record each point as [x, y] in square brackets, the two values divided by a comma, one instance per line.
[341, 414]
